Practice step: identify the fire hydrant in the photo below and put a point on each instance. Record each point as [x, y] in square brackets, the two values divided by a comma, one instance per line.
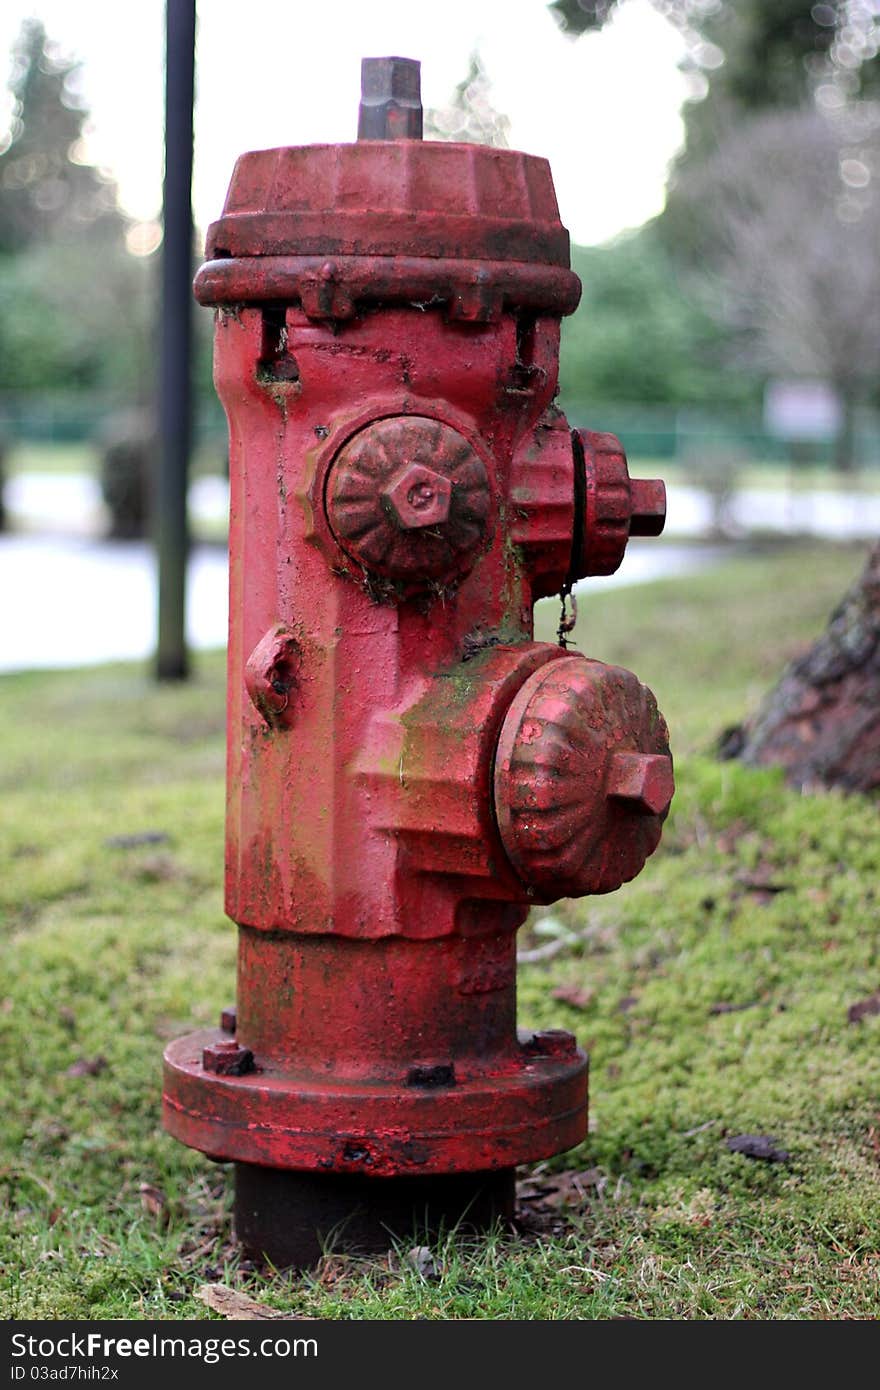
[408, 770]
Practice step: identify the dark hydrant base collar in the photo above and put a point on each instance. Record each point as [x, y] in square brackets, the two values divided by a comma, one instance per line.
[292, 1219]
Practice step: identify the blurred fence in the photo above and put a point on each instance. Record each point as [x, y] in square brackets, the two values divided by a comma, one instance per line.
[656, 431]
[76, 418]
[683, 433]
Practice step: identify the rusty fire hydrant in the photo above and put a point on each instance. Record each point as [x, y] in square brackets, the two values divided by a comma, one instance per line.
[408, 770]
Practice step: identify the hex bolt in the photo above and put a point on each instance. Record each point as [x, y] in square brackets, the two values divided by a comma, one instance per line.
[228, 1019]
[418, 497]
[645, 779]
[648, 500]
[227, 1059]
[430, 1077]
[552, 1042]
[391, 99]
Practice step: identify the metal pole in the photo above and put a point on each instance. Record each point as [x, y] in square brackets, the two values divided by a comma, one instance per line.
[175, 371]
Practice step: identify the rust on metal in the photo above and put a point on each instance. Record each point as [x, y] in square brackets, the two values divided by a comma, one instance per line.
[391, 99]
[226, 1058]
[409, 498]
[337, 289]
[583, 778]
[615, 505]
[644, 778]
[271, 675]
[392, 198]
[408, 769]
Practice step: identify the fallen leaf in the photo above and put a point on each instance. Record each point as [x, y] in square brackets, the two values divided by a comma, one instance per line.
[728, 839]
[561, 1189]
[574, 997]
[761, 1146]
[864, 1008]
[154, 1202]
[87, 1066]
[531, 1190]
[763, 883]
[628, 1002]
[234, 1305]
[698, 1129]
[157, 868]
[138, 839]
[725, 1008]
[422, 1261]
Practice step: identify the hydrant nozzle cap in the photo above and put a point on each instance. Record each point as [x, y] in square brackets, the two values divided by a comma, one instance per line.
[583, 778]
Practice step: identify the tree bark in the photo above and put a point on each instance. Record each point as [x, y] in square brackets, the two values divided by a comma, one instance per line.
[822, 721]
[845, 443]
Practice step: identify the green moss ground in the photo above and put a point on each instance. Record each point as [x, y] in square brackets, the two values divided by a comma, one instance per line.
[759, 899]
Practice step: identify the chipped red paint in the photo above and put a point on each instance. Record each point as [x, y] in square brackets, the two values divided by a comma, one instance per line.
[408, 770]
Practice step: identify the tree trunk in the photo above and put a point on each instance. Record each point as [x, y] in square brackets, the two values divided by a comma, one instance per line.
[822, 721]
[845, 443]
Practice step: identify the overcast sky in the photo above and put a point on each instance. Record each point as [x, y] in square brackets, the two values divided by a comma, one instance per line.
[605, 110]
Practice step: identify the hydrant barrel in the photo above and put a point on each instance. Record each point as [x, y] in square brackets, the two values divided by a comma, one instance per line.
[408, 769]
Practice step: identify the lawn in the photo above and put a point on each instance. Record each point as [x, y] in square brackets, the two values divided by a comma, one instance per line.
[714, 994]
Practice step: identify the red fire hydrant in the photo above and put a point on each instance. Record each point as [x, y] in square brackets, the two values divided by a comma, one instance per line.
[408, 770]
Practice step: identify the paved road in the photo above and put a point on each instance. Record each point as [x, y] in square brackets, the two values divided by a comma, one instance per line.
[69, 599]
[73, 601]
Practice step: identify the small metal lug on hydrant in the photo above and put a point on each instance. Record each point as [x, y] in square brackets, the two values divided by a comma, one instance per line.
[408, 770]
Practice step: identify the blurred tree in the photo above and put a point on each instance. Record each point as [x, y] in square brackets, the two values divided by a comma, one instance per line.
[74, 305]
[470, 116]
[748, 54]
[48, 189]
[789, 224]
[821, 723]
[76, 318]
[639, 335]
[786, 210]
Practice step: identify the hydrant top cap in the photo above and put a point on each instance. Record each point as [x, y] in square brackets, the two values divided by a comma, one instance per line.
[391, 198]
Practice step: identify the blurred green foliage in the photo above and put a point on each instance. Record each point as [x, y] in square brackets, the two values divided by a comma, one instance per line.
[639, 334]
[63, 326]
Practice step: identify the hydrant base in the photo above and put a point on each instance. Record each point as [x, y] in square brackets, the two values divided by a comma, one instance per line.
[293, 1218]
[530, 1107]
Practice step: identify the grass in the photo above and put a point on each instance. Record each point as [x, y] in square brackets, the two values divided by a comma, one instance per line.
[33, 457]
[712, 993]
